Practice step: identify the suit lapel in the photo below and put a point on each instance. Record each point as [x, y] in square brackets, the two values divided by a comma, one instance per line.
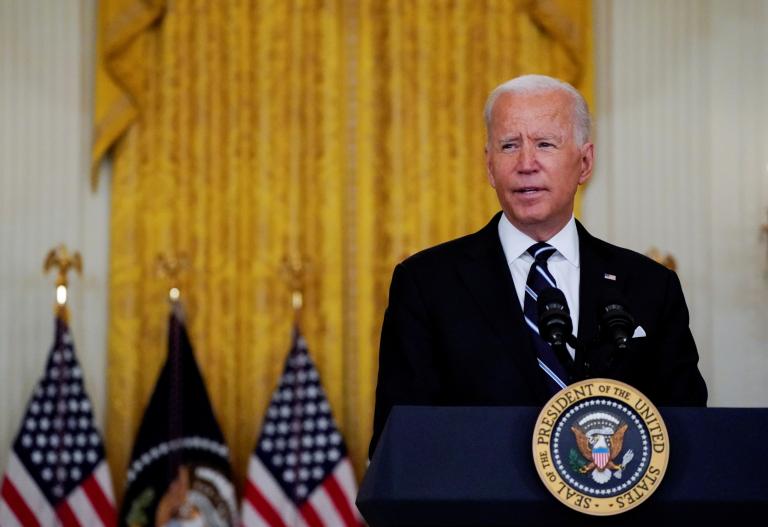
[486, 274]
[597, 277]
[590, 287]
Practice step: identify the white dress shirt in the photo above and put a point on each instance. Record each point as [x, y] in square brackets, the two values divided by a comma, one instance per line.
[563, 264]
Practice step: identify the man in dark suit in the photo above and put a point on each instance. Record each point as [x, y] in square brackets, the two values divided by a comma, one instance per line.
[458, 329]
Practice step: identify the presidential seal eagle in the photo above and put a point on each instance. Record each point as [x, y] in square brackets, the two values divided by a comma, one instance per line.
[600, 447]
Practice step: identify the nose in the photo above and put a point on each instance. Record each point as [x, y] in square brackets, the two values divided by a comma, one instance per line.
[526, 161]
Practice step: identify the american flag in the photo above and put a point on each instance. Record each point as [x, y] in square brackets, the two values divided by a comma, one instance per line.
[56, 474]
[299, 472]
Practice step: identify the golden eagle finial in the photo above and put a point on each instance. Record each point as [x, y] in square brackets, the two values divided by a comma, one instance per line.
[295, 271]
[60, 258]
[170, 267]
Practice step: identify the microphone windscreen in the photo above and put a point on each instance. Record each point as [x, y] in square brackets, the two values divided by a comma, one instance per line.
[550, 296]
[611, 297]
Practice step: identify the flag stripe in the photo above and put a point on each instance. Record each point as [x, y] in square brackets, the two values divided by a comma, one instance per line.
[340, 501]
[345, 476]
[7, 517]
[309, 514]
[262, 506]
[104, 479]
[65, 514]
[99, 501]
[82, 509]
[325, 508]
[265, 482]
[28, 491]
[249, 516]
[17, 504]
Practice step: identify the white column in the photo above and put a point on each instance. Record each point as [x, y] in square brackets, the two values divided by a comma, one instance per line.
[46, 55]
[681, 165]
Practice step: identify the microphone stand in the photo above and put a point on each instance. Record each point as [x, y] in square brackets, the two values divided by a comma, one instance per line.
[580, 364]
[576, 367]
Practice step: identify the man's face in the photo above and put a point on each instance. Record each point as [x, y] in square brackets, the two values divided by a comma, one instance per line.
[534, 162]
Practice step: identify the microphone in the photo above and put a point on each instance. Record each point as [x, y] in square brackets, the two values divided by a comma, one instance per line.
[555, 324]
[556, 328]
[617, 325]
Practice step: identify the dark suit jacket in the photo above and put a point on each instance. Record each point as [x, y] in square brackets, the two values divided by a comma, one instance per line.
[454, 334]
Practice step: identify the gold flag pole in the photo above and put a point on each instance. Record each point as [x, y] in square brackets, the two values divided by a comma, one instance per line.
[295, 269]
[170, 267]
[60, 258]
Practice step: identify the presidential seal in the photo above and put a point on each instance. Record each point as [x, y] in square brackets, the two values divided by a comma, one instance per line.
[600, 447]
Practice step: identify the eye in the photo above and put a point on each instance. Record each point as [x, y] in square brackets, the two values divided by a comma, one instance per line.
[546, 144]
[508, 147]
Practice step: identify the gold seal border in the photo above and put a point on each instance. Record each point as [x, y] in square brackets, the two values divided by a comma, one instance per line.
[560, 403]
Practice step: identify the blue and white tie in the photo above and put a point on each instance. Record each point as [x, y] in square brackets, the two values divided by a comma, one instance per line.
[539, 278]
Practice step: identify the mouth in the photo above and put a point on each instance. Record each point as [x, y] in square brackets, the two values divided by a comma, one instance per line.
[529, 191]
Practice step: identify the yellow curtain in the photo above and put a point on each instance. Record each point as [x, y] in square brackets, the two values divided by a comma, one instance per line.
[345, 134]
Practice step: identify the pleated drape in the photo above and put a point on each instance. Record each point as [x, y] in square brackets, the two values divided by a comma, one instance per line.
[341, 134]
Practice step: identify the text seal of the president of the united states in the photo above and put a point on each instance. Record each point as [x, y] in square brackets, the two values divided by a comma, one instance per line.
[600, 447]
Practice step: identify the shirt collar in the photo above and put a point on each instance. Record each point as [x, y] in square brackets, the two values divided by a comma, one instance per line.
[516, 243]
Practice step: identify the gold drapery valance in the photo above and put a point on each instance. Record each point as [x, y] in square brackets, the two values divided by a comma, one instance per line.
[347, 134]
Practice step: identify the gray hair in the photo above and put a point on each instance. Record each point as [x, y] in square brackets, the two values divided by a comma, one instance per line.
[582, 122]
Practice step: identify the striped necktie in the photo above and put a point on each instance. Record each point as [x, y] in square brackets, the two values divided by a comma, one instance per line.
[539, 278]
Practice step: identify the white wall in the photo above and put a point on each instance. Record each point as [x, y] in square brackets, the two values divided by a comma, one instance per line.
[46, 49]
[682, 149]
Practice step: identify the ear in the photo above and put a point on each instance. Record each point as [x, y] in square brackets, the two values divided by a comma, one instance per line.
[587, 162]
[489, 170]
